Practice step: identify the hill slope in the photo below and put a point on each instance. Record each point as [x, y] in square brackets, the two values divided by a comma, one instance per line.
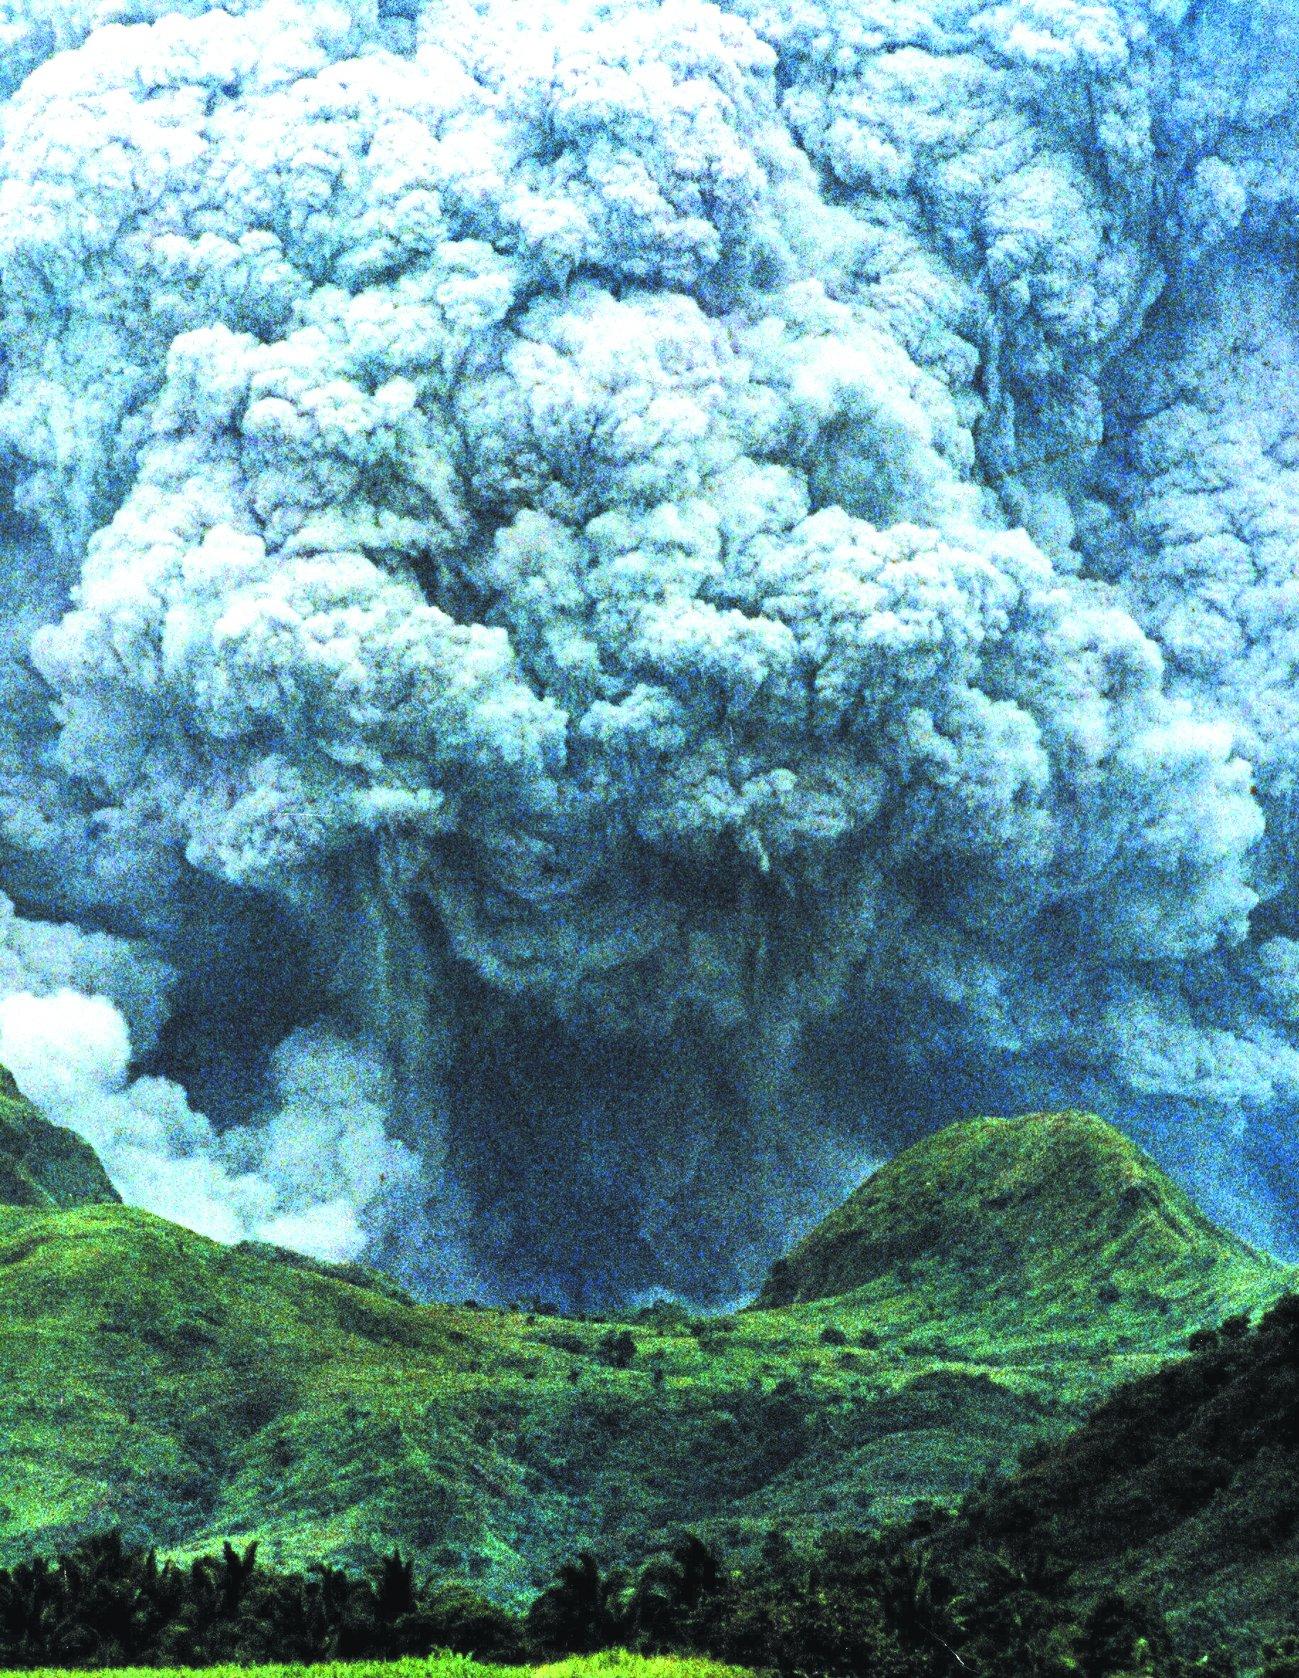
[1183, 1487]
[207, 1392]
[1056, 1206]
[42, 1164]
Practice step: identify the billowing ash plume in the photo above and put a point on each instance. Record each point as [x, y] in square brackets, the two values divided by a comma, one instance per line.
[612, 605]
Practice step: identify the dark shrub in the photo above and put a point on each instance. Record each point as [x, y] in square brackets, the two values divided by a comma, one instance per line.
[617, 1348]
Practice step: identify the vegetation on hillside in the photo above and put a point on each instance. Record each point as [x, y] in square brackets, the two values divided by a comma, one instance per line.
[1182, 1486]
[42, 1164]
[1159, 1540]
[210, 1393]
[1060, 1208]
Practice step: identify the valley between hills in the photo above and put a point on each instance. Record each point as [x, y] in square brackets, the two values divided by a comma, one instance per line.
[977, 1296]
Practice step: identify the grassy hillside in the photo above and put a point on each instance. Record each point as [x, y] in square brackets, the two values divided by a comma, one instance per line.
[1182, 1487]
[41, 1164]
[1058, 1208]
[205, 1392]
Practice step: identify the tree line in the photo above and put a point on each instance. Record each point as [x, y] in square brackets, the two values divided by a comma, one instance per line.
[840, 1605]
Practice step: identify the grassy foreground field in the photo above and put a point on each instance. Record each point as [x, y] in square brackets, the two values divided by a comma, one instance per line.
[614, 1663]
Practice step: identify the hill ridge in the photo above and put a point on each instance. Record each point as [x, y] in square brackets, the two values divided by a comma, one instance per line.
[44, 1165]
[1055, 1191]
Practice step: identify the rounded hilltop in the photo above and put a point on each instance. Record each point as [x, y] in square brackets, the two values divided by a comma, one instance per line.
[1043, 1199]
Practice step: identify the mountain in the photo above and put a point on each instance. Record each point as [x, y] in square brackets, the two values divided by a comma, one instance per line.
[1055, 1208]
[209, 1392]
[41, 1164]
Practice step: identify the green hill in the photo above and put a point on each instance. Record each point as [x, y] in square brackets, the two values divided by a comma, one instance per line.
[1182, 1488]
[41, 1164]
[1057, 1209]
[201, 1392]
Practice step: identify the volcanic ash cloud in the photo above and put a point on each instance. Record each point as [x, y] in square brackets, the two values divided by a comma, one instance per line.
[610, 607]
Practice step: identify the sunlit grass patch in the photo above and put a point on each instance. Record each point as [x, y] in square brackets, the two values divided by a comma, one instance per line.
[611, 1663]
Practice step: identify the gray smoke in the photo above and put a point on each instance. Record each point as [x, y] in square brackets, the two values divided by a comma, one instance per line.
[611, 607]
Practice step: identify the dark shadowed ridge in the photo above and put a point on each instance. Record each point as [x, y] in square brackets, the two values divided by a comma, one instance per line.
[1057, 1201]
[1182, 1487]
[42, 1164]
